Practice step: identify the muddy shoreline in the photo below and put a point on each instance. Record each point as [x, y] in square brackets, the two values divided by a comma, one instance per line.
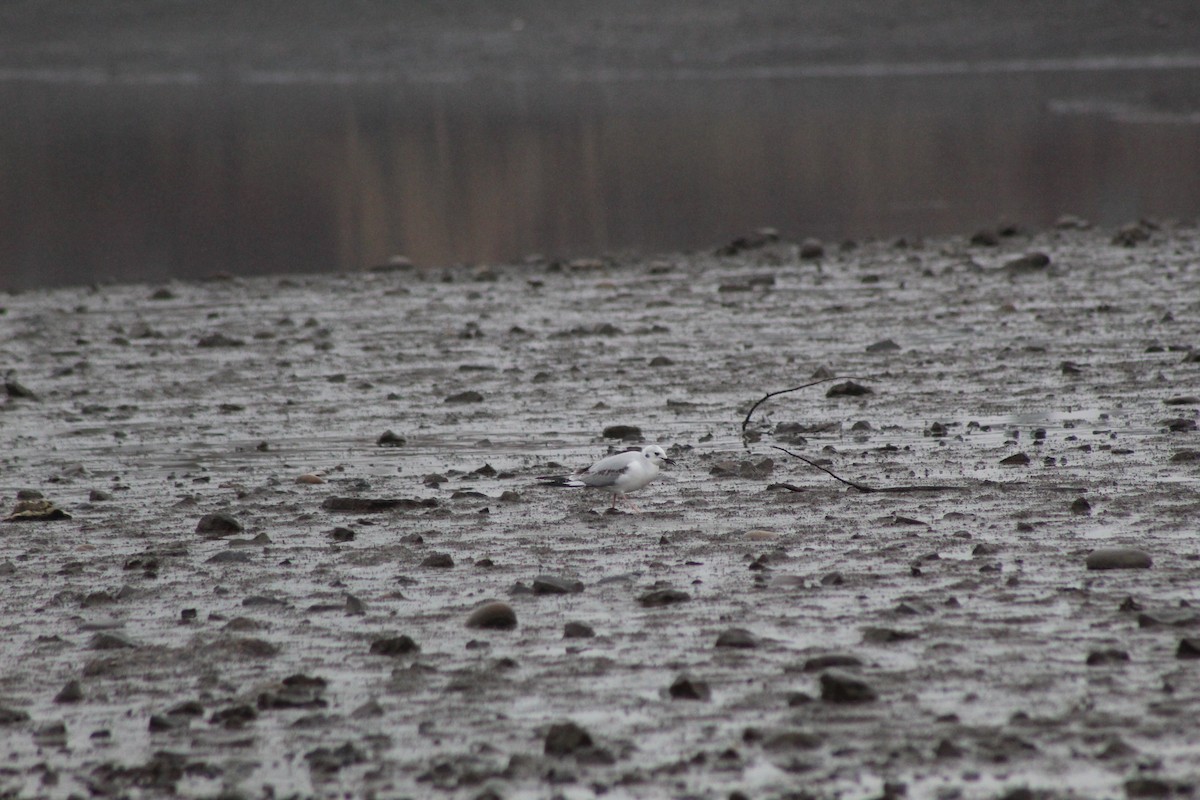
[977, 654]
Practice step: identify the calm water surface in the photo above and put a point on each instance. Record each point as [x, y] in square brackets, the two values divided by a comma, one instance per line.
[104, 180]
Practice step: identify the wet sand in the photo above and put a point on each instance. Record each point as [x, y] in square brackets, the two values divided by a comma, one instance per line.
[980, 654]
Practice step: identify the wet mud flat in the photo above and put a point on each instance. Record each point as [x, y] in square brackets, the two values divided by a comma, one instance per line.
[250, 591]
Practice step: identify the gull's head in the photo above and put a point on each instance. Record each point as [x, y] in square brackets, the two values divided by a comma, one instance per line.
[656, 454]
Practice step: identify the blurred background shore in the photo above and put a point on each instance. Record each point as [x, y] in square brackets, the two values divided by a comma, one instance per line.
[152, 140]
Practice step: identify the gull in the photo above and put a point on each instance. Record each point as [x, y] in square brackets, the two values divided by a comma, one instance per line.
[618, 474]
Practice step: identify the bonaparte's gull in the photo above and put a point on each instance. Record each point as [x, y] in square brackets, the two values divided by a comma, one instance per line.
[618, 474]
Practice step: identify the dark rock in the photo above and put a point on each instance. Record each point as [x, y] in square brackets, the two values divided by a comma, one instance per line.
[109, 641]
[230, 557]
[578, 630]
[1186, 457]
[838, 687]
[1184, 400]
[469, 396]
[832, 579]
[1081, 506]
[342, 535]
[663, 597]
[438, 561]
[354, 606]
[1178, 424]
[875, 635]
[626, 433]
[394, 646]
[552, 584]
[71, 692]
[985, 238]
[1140, 787]
[1189, 648]
[218, 524]
[369, 505]
[849, 389]
[219, 340]
[882, 346]
[948, 749]
[1118, 558]
[792, 740]
[686, 687]
[811, 249]
[368, 710]
[15, 391]
[1131, 235]
[494, 615]
[234, 716]
[327, 761]
[566, 738]
[737, 637]
[1015, 460]
[390, 439]
[12, 716]
[1100, 658]
[818, 663]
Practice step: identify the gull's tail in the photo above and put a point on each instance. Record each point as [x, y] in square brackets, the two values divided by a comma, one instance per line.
[569, 481]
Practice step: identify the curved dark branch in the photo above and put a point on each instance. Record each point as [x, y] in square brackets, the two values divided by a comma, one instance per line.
[769, 395]
[861, 487]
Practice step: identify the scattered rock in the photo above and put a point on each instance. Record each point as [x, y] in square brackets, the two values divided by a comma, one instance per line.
[326, 761]
[578, 630]
[882, 346]
[105, 640]
[12, 716]
[1167, 617]
[71, 692]
[849, 389]
[1015, 460]
[566, 738]
[686, 687]
[469, 396]
[376, 505]
[626, 433]
[1189, 648]
[1186, 457]
[219, 340]
[342, 535]
[230, 557]
[1118, 558]
[838, 687]
[1100, 658]
[390, 439]
[15, 391]
[394, 646]
[784, 741]
[738, 638]
[811, 249]
[36, 510]
[663, 597]
[494, 615]
[438, 561]
[832, 660]
[1081, 506]
[876, 635]
[218, 524]
[552, 584]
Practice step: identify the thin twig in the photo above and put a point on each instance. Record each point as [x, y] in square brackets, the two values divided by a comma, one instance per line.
[861, 487]
[769, 395]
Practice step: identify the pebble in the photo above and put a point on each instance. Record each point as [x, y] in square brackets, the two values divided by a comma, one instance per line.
[71, 692]
[1100, 658]
[830, 660]
[469, 396]
[1189, 647]
[375, 505]
[1118, 558]
[566, 738]
[811, 249]
[1015, 460]
[219, 340]
[1026, 264]
[686, 687]
[838, 687]
[342, 534]
[876, 635]
[1081, 506]
[849, 389]
[663, 597]
[109, 641]
[326, 761]
[390, 439]
[552, 584]
[494, 616]
[218, 524]
[231, 557]
[438, 561]
[737, 637]
[626, 433]
[12, 716]
[883, 346]
[792, 740]
[578, 630]
[1169, 616]
[394, 646]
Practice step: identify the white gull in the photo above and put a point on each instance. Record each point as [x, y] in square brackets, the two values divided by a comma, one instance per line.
[618, 474]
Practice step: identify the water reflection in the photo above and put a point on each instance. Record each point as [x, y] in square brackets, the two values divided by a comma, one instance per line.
[156, 181]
